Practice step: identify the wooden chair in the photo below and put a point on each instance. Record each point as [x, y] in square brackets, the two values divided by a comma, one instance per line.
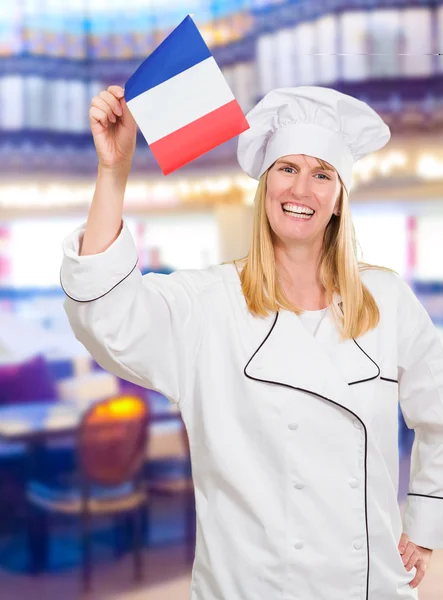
[111, 446]
[168, 477]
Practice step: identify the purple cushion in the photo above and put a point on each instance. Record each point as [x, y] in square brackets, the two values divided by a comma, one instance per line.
[30, 381]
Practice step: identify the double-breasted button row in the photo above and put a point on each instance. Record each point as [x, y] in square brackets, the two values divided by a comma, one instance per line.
[353, 483]
[357, 545]
[298, 485]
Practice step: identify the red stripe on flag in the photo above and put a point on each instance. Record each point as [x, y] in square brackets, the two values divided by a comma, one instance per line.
[191, 141]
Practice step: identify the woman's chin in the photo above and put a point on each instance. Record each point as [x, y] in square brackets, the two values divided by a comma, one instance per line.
[298, 232]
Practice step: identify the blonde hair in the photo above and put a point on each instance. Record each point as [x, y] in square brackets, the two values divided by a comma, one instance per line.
[339, 269]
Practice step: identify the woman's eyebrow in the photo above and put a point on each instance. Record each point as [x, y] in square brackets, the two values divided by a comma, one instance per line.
[291, 164]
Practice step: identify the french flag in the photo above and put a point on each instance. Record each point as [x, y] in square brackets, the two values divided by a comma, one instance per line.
[181, 101]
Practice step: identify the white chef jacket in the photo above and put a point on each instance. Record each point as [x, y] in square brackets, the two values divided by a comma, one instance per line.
[293, 439]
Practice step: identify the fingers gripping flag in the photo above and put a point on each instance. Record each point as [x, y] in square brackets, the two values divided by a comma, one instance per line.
[181, 101]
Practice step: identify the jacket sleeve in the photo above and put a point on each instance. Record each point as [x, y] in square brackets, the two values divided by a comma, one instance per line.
[146, 329]
[420, 374]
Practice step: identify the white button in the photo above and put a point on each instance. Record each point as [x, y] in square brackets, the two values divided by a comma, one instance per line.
[293, 425]
[357, 424]
[354, 483]
[358, 545]
[298, 545]
[299, 486]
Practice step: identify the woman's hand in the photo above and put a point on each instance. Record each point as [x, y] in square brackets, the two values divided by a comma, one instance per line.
[414, 556]
[113, 128]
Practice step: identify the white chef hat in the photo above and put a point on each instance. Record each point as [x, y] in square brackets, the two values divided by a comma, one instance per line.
[311, 120]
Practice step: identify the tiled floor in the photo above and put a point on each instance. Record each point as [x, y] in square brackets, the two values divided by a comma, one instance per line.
[166, 576]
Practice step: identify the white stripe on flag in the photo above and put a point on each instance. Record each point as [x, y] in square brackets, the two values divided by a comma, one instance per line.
[181, 100]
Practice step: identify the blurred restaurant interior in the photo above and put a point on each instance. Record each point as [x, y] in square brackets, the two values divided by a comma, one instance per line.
[55, 55]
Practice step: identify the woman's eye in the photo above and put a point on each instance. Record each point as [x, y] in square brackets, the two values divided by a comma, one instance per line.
[292, 170]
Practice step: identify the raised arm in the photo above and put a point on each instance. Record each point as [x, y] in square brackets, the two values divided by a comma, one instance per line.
[146, 329]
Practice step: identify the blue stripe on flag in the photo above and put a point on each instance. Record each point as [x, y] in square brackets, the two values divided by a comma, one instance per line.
[183, 48]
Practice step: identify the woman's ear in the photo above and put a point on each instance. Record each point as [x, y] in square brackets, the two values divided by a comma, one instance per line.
[338, 201]
[337, 204]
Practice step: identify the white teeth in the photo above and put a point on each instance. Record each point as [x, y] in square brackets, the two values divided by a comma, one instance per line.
[297, 215]
[294, 208]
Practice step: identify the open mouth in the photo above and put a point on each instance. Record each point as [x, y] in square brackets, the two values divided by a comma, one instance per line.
[299, 213]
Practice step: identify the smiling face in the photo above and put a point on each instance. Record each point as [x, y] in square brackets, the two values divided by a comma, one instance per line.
[298, 182]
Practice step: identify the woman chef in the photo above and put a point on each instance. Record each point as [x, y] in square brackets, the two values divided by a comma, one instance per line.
[287, 367]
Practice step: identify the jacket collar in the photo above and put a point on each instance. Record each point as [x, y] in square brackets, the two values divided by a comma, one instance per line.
[324, 365]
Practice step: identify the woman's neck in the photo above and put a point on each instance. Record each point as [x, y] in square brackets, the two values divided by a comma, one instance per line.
[306, 299]
[300, 280]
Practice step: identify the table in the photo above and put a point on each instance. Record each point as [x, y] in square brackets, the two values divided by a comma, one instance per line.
[40, 421]
[88, 387]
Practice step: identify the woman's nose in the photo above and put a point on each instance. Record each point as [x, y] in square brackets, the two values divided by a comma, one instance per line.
[301, 185]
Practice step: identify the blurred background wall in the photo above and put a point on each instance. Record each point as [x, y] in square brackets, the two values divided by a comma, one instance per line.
[55, 55]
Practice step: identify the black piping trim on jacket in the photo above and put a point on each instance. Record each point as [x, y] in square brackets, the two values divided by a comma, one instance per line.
[366, 354]
[387, 379]
[426, 496]
[98, 297]
[341, 406]
[373, 361]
